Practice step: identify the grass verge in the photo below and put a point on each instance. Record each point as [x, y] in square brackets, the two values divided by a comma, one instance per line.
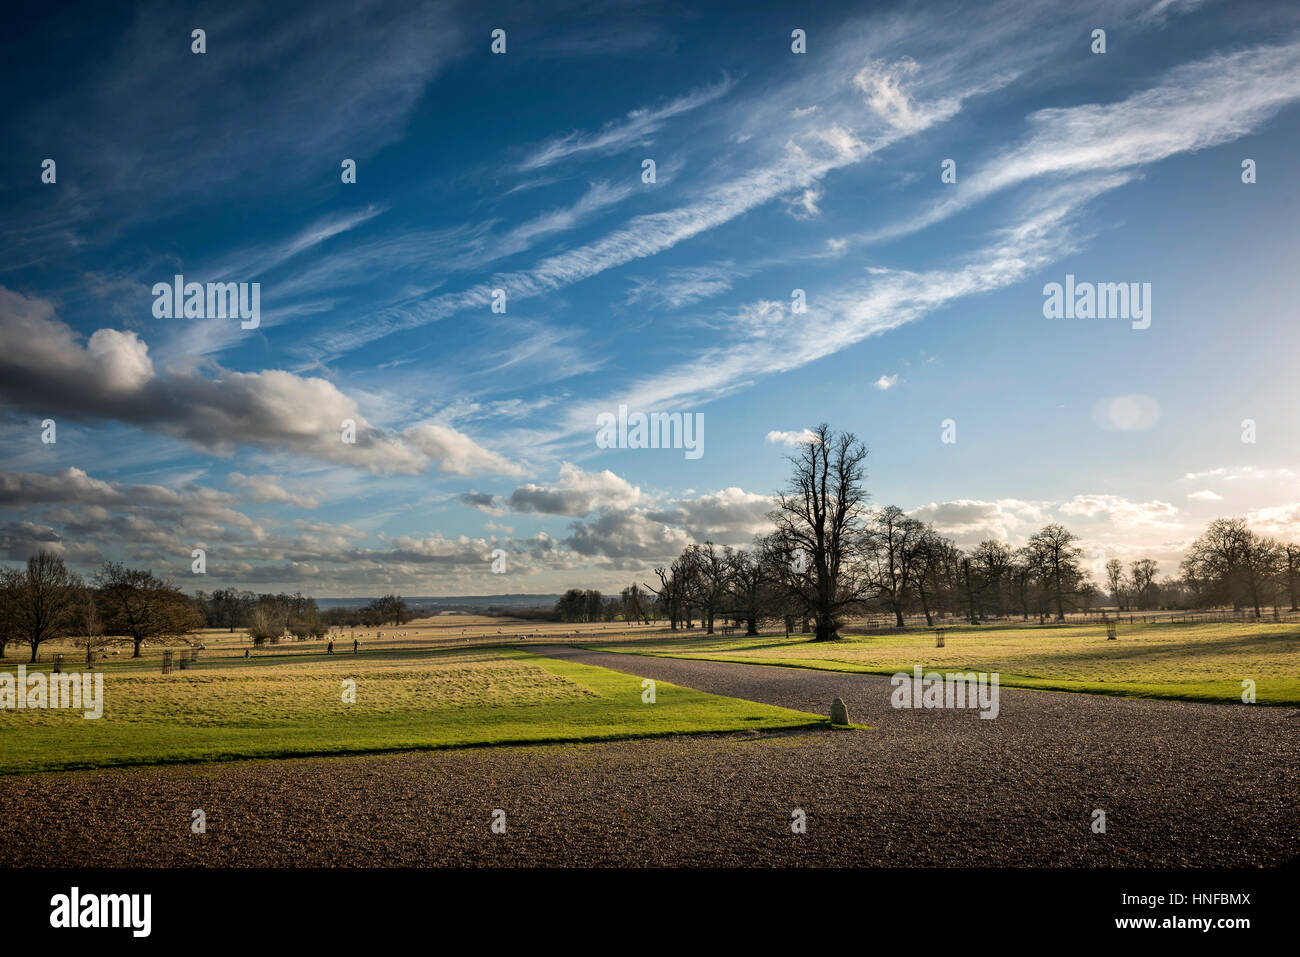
[427, 700]
[1192, 662]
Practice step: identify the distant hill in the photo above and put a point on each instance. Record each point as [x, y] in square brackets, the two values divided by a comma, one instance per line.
[428, 605]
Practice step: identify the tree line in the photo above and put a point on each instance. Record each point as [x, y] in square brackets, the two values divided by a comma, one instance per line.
[268, 617]
[577, 604]
[45, 601]
[830, 556]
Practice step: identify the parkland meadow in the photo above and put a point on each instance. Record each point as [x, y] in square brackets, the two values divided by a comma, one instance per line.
[1188, 662]
[272, 706]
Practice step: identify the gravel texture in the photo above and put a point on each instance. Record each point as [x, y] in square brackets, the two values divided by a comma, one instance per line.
[1181, 784]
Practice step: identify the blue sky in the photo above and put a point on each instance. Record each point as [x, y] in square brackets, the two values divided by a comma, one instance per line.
[775, 171]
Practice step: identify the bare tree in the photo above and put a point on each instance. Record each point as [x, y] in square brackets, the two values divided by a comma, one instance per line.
[1035, 556]
[42, 600]
[634, 605]
[1215, 562]
[139, 606]
[1291, 557]
[92, 627]
[1143, 575]
[8, 608]
[686, 585]
[1260, 570]
[1022, 581]
[782, 568]
[893, 543]
[713, 577]
[935, 558]
[750, 595]
[668, 594]
[1060, 557]
[820, 513]
[1115, 582]
[992, 559]
[970, 587]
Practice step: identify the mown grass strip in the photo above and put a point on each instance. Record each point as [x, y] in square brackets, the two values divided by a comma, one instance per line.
[296, 710]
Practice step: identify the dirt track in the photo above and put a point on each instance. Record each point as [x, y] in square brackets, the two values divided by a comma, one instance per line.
[1181, 784]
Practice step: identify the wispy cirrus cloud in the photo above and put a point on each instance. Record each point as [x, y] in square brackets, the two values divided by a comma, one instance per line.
[685, 286]
[1196, 106]
[774, 339]
[638, 127]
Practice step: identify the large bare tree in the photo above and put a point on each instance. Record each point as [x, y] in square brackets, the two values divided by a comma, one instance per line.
[820, 516]
[139, 606]
[42, 601]
[894, 543]
[1059, 557]
[1215, 564]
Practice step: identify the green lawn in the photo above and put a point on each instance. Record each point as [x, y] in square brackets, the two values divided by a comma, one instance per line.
[1200, 662]
[268, 707]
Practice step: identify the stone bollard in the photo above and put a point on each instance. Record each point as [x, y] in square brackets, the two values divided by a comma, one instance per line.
[839, 713]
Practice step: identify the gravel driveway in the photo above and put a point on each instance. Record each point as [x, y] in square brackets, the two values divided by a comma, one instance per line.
[1180, 783]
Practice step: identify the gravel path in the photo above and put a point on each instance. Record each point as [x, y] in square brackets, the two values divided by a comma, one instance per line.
[1181, 784]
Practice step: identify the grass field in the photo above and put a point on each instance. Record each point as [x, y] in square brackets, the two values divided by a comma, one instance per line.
[284, 705]
[448, 630]
[1192, 662]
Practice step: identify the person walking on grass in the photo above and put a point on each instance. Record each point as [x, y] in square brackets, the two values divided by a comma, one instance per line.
[355, 645]
[329, 650]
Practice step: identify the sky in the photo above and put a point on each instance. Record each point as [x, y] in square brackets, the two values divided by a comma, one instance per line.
[798, 256]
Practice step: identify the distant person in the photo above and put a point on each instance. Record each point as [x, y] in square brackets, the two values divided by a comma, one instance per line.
[246, 650]
[355, 645]
[330, 649]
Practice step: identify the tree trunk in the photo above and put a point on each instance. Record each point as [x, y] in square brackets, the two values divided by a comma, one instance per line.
[137, 642]
[825, 632]
[751, 626]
